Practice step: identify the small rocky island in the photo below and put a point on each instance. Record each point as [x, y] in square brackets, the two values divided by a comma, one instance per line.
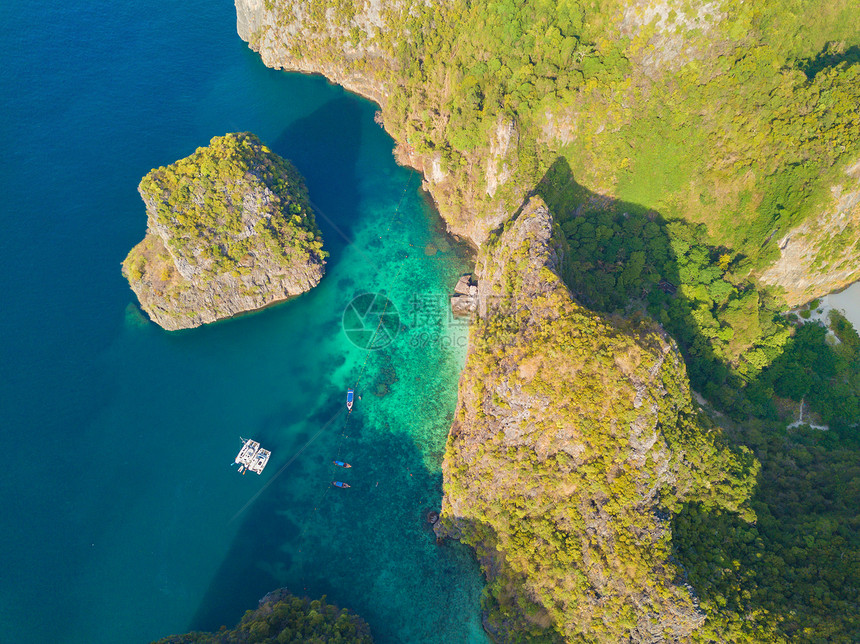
[229, 229]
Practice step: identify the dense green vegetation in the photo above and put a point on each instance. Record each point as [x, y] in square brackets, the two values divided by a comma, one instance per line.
[555, 470]
[698, 135]
[622, 256]
[740, 348]
[734, 114]
[824, 373]
[218, 203]
[283, 618]
[793, 575]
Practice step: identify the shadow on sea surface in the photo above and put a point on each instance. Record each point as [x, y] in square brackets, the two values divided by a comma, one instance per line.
[336, 129]
[788, 567]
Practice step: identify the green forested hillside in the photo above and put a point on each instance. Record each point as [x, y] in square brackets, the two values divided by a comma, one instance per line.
[575, 442]
[680, 146]
[793, 574]
[770, 546]
[283, 618]
[740, 347]
[736, 115]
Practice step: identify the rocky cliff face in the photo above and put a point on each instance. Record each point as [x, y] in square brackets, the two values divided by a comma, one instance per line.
[280, 35]
[343, 43]
[821, 256]
[460, 115]
[570, 450]
[229, 229]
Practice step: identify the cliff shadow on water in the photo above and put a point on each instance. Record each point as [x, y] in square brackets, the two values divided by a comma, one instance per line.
[754, 367]
[368, 548]
[335, 127]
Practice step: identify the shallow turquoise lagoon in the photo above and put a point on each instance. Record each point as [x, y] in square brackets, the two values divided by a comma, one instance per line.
[122, 519]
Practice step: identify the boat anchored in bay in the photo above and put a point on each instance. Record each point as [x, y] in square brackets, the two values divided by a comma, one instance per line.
[252, 457]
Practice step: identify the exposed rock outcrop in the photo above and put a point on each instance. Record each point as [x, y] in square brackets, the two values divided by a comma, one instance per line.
[342, 43]
[822, 255]
[465, 299]
[229, 229]
[569, 449]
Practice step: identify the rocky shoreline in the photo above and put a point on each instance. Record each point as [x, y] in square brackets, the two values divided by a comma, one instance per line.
[229, 230]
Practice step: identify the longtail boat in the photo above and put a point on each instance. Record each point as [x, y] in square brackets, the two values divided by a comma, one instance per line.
[339, 484]
[341, 464]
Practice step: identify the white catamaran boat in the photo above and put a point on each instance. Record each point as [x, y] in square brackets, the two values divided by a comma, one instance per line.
[252, 457]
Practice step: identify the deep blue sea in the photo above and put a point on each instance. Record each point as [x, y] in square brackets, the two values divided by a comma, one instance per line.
[121, 518]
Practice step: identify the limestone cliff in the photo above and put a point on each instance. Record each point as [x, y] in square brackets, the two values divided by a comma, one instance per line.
[354, 45]
[573, 442]
[822, 255]
[229, 229]
[283, 35]
[661, 104]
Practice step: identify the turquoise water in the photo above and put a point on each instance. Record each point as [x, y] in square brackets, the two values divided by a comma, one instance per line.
[122, 520]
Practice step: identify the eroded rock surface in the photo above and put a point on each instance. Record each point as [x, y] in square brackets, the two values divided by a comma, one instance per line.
[821, 255]
[574, 441]
[229, 229]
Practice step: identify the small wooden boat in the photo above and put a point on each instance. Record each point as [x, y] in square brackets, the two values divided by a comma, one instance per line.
[350, 394]
[339, 484]
[341, 464]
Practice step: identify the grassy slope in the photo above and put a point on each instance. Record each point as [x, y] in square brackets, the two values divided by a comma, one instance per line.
[723, 113]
